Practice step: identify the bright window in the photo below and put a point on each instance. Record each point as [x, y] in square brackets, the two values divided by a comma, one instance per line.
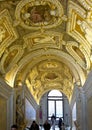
[55, 104]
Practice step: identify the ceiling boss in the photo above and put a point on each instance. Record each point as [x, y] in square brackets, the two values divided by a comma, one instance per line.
[33, 14]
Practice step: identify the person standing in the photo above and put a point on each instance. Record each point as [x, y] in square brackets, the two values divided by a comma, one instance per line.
[46, 125]
[34, 126]
[60, 123]
[14, 127]
[53, 120]
[63, 126]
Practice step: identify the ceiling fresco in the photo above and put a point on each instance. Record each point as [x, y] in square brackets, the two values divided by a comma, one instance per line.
[45, 44]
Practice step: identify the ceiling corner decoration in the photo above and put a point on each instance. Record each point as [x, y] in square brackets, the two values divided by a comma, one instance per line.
[77, 26]
[7, 33]
[33, 14]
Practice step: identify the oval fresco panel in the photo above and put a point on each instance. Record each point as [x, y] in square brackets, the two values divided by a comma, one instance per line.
[33, 14]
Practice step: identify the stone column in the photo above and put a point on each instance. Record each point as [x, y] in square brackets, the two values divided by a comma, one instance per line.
[83, 101]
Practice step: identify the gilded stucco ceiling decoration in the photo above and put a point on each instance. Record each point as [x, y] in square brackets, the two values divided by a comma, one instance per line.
[46, 44]
[48, 68]
[87, 4]
[46, 76]
[37, 56]
[10, 58]
[7, 32]
[79, 54]
[33, 14]
[77, 26]
[43, 39]
[49, 65]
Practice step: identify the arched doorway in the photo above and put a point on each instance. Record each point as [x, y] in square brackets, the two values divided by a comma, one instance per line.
[55, 103]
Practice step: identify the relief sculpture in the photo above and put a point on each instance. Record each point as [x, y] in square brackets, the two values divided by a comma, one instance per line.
[86, 29]
[2, 33]
[20, 120]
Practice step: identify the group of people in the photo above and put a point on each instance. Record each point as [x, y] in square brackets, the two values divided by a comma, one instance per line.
[61, 124]
[46, 125]
[35, 126]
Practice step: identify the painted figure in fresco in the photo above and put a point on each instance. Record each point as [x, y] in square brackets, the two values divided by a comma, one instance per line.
[35, 15]
[47, 16]
[38, 13]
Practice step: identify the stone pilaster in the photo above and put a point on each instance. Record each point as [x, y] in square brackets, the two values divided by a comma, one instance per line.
[83, 109]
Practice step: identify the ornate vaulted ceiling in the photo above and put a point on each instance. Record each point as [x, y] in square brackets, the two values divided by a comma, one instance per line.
[45, 44]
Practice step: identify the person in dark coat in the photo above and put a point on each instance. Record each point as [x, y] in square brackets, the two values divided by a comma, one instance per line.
[34, 126]
[53, 120]
[46, 125]
[14, 127]
[60, 123]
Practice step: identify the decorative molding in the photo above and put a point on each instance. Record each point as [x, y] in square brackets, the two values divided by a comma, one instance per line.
[77, 25]
[7, 33]
[79, 53]
[43, 39]
[11, 57]
[87, 4]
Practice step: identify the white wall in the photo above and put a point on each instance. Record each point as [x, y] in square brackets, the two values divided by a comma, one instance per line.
[30, 112]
